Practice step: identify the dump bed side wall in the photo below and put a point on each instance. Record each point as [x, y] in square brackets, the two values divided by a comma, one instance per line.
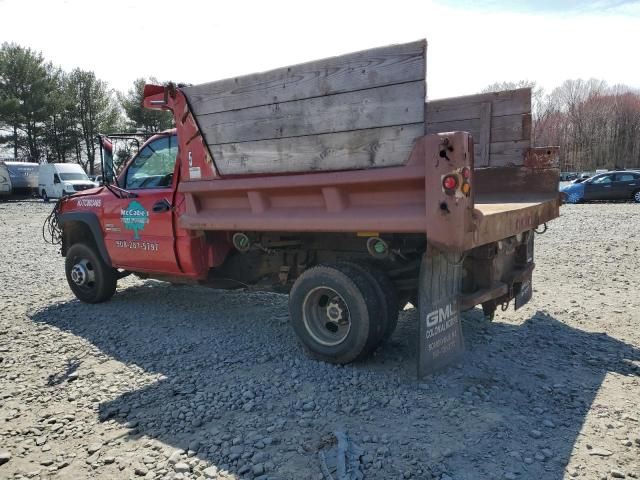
[500, 123]
[361, 110]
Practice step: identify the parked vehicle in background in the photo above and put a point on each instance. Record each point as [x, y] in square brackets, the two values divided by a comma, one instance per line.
[620, 185]
[59, 179]
[5, 181]
[568, 176]
[23, 176]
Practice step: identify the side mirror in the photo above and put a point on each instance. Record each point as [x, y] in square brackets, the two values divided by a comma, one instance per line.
[106, 160]
[108, 172]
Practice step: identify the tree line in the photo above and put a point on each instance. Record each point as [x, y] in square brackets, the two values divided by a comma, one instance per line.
[51, 115]
[48, 114]
[595, 125]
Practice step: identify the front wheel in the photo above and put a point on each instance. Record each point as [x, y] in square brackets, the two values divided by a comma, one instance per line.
[45, 197]
[90, 279]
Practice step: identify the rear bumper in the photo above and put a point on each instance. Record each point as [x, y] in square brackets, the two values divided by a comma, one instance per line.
[497, 273]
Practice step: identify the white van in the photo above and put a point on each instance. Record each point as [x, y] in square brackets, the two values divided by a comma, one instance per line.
[5, 181]
[59, 179]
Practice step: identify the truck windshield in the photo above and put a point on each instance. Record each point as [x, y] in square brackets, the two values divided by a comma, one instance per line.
[68, 177]
[154, 165]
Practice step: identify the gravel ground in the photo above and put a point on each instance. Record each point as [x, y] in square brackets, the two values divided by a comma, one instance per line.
[188, 382]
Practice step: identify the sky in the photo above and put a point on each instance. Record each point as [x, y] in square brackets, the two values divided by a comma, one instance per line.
[471, 44]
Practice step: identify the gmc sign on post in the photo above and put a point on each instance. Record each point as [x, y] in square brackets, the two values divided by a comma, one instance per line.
[441, 342]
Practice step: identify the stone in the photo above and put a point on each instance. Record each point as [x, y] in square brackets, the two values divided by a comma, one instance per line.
[182, 467]
[141, 470]
[535, 433]
[175, 456]
[5, 456]
[617, 473]
[93, 448]
[258, 469]
[600, 452]
[210, 472]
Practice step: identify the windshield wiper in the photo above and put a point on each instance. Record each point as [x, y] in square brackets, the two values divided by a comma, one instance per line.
[120, 192]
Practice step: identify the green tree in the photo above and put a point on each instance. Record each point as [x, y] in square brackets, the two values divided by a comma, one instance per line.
[25, 88]
[96, 111]
[140, 117]
[62, 134]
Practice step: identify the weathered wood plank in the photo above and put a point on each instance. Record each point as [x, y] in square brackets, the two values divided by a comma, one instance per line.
[366, 69]
[377, 107]
[377, 147]
[503, 153]
[503, 129]
[484, 139]
[461, 108]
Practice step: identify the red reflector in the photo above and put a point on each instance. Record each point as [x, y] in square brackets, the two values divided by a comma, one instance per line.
[449, 182]
[466, 173]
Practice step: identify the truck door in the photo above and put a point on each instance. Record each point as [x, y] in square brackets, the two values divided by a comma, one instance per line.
[138, 231]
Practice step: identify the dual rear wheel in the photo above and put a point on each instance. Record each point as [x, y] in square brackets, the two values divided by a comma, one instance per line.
[342, 312]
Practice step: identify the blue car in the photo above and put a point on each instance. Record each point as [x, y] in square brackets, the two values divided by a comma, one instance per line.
[623, 185]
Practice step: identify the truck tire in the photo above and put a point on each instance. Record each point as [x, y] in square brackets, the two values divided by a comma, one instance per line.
[335, 313]
[388, 296]
[90, 279]
[45, 197]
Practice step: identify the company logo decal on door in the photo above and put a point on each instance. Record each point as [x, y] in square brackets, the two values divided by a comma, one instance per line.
[135, 217]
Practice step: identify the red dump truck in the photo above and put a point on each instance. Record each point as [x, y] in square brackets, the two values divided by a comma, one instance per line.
[334, 181]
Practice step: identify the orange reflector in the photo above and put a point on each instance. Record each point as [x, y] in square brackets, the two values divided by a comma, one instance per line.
[466, 188]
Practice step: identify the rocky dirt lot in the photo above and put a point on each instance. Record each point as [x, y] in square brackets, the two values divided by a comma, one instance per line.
[188, 382]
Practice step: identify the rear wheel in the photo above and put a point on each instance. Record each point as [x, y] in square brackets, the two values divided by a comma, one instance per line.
[90, 279]
[636, 196]
[388, 296]
[335, 313]
[45, 197]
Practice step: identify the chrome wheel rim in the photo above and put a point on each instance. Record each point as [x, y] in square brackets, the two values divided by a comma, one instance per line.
[326, 316]
[636, 196]
[83, 274]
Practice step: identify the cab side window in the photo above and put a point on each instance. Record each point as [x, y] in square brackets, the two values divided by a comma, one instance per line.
[154, 165]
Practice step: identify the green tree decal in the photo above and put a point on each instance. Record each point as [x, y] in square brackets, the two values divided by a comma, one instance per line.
[134, 217]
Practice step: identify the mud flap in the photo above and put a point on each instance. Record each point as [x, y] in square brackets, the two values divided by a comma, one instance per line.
[441, 342]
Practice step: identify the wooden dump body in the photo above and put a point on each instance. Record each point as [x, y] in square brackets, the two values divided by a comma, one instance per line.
[348, 144]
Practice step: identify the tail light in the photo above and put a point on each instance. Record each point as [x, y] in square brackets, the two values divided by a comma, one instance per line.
[450, 182]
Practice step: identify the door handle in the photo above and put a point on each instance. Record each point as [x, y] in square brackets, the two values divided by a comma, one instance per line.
[161, 206]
